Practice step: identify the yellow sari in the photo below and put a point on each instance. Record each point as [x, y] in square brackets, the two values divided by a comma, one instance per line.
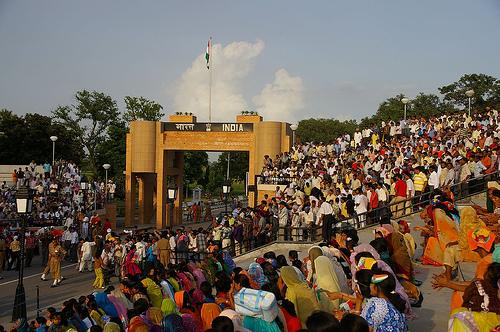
[299, 293]
[444, 233]
[326, 279]
[464, 320]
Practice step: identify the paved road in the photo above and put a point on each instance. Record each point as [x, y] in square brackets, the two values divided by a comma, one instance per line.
[74, 285]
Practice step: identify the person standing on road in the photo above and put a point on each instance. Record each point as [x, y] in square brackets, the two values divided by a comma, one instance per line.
[30, 245]
[15, 250]
[86, 255]
[56, 253]
[163, 246]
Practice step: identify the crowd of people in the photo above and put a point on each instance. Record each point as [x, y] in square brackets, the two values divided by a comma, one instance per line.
[390, 163]
[58, 201]
[57, 192]
[340, 285]
[186, 280]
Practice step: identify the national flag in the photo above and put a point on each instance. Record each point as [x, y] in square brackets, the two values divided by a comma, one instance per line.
[207, 54]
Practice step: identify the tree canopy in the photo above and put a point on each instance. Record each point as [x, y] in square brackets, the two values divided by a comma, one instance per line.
[89, 119]
[140, 108]
[486, 91]
[26, 138]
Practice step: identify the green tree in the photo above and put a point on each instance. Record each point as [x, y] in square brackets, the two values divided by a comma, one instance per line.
[89, 119]
[427, 105]
[238, 164]
[486, 91]
[195, 166]
[12, 133]
[26, 138]
[323, 130]
[216, 177]
[112, 151]
[140, 108]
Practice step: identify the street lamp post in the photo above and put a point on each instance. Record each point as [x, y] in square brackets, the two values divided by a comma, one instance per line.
[226, 189]
[53, 139]
[405, 101]
[171, 196]
[106, 167]
[293, 127]
[469, 94]
[24, 204]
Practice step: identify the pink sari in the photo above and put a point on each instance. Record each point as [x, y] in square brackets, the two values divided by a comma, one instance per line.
[131, 268]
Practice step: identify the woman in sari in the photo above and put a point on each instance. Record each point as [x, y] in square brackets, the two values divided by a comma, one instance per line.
[480, 310]
[404, 229]
[256, 274]
[131, 267]
[326, 279]
[366, 250]
[299, 293]
[190, 316]
[399, 252]
[168, 307]
[439, 232]
[197, 274]
[208, 312]
[172, 322]
[469, 221]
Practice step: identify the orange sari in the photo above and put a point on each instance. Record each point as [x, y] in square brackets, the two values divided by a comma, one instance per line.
[444, 233]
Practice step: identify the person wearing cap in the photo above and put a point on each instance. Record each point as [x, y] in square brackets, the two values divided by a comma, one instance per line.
[56, 254]
[482, 241]
[163, 247]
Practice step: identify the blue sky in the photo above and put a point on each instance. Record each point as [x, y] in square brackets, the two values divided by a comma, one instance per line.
[311, 58]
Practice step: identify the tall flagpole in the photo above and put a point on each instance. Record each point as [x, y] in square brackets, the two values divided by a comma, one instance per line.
[210, 80]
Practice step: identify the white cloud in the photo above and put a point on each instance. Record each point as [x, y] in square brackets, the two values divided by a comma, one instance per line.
[231, 64]
[281, 99]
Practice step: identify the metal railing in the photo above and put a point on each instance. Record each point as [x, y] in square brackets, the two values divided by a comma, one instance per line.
[303, 235]
[400, 208]
[216, 207]
[383, 214]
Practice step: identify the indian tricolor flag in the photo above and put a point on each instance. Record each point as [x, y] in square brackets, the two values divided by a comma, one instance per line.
[208, 53]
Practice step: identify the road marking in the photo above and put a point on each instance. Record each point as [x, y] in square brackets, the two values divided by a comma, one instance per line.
[34, 275]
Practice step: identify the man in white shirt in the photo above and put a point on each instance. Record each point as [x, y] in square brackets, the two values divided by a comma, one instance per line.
[357, 137]
[325, 218]
[361, 207]
[433, 181]
[86, 256]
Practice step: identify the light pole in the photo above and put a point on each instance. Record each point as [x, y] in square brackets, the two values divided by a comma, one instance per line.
[171, 196]
[53, 139]
[469, 94]
[293, 127]
[106, 167]
[226, 189]
[24, 203]
[405, 101]
[228, 160]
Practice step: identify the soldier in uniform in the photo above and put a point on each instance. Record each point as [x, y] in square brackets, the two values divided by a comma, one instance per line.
[163, 246]
[56, 254]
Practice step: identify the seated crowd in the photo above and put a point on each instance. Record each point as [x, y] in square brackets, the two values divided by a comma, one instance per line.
[341, 285]
[380, 165]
